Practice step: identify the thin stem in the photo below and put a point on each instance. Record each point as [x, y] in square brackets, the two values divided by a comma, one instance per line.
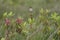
[7, 34]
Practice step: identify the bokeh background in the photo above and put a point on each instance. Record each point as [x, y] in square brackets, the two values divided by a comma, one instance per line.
[21, 8]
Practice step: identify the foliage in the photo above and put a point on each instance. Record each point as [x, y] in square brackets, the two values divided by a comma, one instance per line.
[18, 24]
[50, 22]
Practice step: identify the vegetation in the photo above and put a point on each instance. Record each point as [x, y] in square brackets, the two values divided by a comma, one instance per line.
[29, 20]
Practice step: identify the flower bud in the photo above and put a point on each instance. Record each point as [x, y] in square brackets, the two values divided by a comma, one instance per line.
[18, 21]
[7, 21]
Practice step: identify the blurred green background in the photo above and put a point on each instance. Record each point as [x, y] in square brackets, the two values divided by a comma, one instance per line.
[21, 8]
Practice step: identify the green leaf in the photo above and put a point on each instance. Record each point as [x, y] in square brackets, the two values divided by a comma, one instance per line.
[5, 14]
[54, 15]
[41, 10]
[25, 31]
[24, 23]
[11, 14]
[29, 20]
[47, 11]
[2, 38]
